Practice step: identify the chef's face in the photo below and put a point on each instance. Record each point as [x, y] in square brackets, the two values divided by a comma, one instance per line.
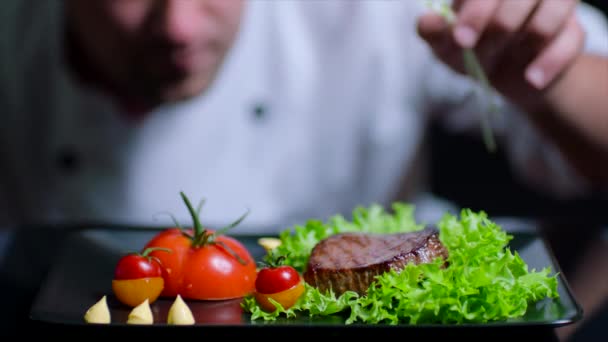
[160, 50]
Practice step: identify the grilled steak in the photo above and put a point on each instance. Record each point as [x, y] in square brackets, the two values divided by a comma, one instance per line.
[350, 261]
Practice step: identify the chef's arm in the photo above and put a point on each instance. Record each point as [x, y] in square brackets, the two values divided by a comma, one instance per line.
[574, 113]
[535, 53]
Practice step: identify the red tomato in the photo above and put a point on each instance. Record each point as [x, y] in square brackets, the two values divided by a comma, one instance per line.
[204, 272]
[204, 264]
[276, 279]
[133, 266]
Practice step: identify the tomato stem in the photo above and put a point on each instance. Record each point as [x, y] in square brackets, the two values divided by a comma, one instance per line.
[146, 252]
[272, 259]
[199, 231]
[232, 225]
[232, 252]
[173, 218]
[201, 236]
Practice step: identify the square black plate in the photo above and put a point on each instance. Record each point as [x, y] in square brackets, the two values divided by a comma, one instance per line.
[82, 274]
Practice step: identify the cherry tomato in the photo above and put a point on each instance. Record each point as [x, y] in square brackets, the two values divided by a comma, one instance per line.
[276, 279]
[137, 277]
[281, 283]
[204, 264]
[287, 298]
[135, 265]
[133, 292]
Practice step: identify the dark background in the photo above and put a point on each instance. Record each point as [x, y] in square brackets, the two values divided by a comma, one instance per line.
[477, 179]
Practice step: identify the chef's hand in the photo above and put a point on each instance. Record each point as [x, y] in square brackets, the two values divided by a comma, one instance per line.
[527, 43]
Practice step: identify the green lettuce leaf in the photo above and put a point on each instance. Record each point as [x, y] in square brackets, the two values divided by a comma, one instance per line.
[483, 281]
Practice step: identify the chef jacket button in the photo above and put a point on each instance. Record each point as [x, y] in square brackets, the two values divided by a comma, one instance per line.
[259, 112]
[68, 159]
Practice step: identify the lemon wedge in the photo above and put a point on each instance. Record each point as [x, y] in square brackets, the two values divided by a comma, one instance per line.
[98, 313]
[179, 313]
[141, 314]
[269, 243]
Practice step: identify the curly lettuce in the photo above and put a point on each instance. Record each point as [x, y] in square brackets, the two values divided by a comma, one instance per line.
[485, 281]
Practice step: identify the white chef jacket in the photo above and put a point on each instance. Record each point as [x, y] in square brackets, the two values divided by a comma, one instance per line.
[321, 106]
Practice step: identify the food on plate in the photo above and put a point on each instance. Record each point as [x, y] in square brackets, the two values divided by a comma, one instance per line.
[133, 292]
[269, 243]
[141, 314]
[469, 273]
[138, 277]
[180, 313]
[351, 261]
[99, 312]
[277, 283]
[204, 264]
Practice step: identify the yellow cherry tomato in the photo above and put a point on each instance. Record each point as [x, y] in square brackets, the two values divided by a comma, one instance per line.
[287, 298]
[133, 292]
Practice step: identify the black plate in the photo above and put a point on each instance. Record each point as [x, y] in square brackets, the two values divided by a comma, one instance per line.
[82, 274]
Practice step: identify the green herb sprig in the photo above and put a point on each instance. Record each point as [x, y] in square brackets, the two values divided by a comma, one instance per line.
[475, 70]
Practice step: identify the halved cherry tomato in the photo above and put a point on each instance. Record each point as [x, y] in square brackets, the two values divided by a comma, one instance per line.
[137, 277]
[287, 298]
[205, 264]
[281, 283]
[133, 292]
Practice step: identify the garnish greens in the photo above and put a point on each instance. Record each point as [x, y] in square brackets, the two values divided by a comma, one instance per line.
[475, 70]
[485, 281]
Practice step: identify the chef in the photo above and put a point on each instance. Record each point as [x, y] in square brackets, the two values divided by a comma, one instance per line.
[291, 109]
